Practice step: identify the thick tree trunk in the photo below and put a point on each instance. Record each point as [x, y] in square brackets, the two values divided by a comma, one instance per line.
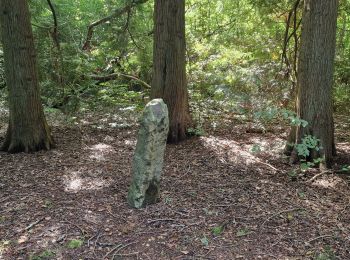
[169, 65]
[27, 130]
[315, 76]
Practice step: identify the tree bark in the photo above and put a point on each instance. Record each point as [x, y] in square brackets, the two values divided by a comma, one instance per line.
[315, 77]
[169, 65]
[27, 130]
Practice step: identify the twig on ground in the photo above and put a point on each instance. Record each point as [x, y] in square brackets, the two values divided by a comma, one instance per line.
[61, 238]
[31, 225]
[127, 255]
[317, 238]
[281, 212]
[316, 176]
[122, 247]
[88, 242]
[267, 164]
[83, 232]
[162, 220]
[112, 250]
[326, 172]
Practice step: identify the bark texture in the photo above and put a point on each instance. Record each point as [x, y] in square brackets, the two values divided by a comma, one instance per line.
[315, 76]
[27, 130]
[169, 65]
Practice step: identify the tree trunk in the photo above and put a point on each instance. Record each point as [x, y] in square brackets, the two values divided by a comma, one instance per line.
[27, 130]
[169, 65]
[315, 77]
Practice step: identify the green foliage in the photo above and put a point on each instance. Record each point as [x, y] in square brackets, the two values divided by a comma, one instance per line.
[233, 57]
[75, 243]
[326, 254]
[293, 175]
[197, 131]
[217, 231]
[47, 254]
[256, 148]
[307, 144]
[243, 232]
[345, 168]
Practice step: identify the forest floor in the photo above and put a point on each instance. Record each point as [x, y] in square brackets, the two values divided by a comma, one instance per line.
[229, 194]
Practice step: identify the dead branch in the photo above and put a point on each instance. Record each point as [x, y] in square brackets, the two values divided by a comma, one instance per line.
[54, 33]
[287, 36]
[114, 76]
[122, 247]
[33, 224]
[326, 172]
[116, 13]
[317, 238]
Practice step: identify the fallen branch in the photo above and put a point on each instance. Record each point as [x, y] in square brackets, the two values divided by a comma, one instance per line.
[317, 238]
[326, 172]
[161, 220]
[30, 226]
[113, 249]
[315, 177]
[83, 232]
[126, 255]
[117, 249]
[114, 76]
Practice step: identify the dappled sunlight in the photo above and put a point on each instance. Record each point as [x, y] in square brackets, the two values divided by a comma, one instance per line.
[51, 234]
[229, 150]
[330, 182]
[99, 151]
[130, 142]
[91, 217]
[74, 183]
[270, 146]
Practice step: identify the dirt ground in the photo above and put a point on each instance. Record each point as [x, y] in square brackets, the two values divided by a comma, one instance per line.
[229, 194]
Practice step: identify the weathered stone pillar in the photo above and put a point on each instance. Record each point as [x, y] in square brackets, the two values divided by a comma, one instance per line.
[148, 158]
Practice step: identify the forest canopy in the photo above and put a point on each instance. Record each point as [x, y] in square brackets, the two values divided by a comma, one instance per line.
[235, 46]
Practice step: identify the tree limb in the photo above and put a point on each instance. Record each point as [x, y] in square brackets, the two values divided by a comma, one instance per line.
[116, 13]
[114, 76]
[54, 33]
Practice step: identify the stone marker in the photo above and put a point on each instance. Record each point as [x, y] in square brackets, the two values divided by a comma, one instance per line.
[148, 158]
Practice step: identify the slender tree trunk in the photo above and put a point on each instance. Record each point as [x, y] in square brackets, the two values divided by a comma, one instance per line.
[169, 65]
[27, 130]
[315, 77]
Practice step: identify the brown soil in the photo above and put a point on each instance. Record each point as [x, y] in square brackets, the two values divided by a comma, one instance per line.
[219, 200]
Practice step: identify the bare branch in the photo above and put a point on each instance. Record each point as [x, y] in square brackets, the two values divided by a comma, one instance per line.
[114, 76]
[116, 13]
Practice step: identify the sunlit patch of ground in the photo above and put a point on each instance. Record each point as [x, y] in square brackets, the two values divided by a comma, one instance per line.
[240, 152]
[272, 147]
[4, 244]
[329, 182]
[99, 151]
[75, 182]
